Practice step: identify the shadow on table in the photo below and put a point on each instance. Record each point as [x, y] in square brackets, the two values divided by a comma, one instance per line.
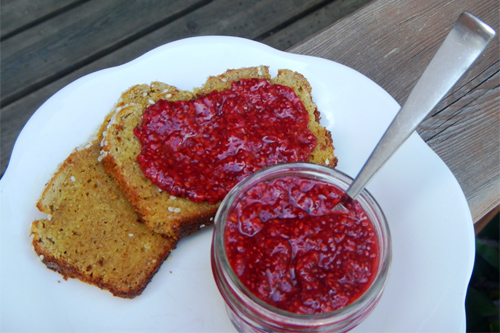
[482, 302]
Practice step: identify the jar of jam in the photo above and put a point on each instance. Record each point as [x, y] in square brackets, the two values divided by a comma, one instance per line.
[286, 258]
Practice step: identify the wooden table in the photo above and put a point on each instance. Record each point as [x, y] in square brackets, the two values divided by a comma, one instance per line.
[48, 44]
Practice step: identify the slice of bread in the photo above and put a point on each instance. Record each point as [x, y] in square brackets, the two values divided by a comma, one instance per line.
[92, 232]
[159, 210]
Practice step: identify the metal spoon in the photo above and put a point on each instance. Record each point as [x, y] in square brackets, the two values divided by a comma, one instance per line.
[463, 45]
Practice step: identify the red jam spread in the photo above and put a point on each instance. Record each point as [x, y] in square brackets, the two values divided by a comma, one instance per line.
[291, 250]
[200, 149]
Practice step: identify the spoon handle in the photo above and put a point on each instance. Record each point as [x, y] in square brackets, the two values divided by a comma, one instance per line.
[463, 45]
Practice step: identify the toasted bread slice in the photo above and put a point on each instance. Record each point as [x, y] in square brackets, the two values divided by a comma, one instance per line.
[92, 232]
[159, 210]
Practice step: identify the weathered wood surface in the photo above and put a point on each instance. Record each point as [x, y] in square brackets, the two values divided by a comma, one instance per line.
[391, 42]
[91, 35]
[19, 15]
[47, 44]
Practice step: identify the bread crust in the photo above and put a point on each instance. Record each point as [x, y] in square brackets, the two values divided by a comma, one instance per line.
[120, 148]
[68, 270]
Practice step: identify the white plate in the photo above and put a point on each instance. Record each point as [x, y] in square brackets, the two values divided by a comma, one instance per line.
[426, 209]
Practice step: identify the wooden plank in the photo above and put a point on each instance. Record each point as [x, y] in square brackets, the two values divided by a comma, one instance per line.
[58, 46]
[313, 23]
[39, 56]
[247, 19]
[18, 15]
[465, 132]
[464, 129]
[479, 226]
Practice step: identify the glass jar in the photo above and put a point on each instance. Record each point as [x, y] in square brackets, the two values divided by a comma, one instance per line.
[249, 313]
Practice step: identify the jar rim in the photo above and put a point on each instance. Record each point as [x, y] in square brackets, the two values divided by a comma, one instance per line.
[319, 172]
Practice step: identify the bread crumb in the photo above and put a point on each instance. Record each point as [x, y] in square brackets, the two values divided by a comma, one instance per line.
[174, 209]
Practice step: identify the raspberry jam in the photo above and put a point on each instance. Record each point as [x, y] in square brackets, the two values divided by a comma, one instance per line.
[200, 149]
[288, 248]
[285, 260]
